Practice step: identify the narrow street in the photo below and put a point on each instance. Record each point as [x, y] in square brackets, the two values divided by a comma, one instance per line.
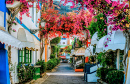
[65, 75]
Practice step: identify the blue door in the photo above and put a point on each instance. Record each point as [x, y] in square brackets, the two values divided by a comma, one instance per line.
[4, 69]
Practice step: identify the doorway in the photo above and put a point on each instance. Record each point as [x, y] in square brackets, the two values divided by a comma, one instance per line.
[4, 69]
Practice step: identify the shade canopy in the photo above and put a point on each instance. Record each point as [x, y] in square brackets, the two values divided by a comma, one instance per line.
[94, 39]
[80, 52]
[74, 52]
[26, 38]
[117, 41]
[100, 45]
[63, 57]
[7, 39]
[89, 51]
[14, 5]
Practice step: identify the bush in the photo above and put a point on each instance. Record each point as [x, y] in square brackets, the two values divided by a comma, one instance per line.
[115, 77]
[52, 63]
[43, 66]
[25, 73]
[102, 72]
[52, 56]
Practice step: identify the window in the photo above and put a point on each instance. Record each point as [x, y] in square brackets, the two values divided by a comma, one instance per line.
[25, 56]
[63, 38]
[21, 56]
[63, 42]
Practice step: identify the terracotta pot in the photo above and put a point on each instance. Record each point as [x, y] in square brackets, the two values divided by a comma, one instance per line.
[79, 70]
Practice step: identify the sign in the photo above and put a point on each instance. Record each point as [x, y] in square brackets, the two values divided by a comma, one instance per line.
[79, 62]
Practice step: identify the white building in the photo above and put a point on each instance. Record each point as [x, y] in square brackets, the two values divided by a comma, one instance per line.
[30, 41]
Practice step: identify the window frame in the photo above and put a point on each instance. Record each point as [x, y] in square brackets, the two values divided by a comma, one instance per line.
[20, 56]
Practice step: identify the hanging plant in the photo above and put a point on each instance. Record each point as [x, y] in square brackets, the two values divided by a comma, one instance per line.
[99, 26]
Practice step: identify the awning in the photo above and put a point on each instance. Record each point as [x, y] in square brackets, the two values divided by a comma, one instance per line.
[117, 41]
[63, 57]
[100, 45]
[94, 38]
[74, 52]
[89, 51]
[7, 39]
[80, 52]
[26, 38]
[37, 43]
[14, 5]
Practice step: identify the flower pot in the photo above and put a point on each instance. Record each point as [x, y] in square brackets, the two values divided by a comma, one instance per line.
[79, 70]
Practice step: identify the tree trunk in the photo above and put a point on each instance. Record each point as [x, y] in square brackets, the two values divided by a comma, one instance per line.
[41, 49]
[127, 47]
[9, 61]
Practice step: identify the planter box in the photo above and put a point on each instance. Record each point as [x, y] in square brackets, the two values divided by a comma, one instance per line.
[79, 70]
[100, 81]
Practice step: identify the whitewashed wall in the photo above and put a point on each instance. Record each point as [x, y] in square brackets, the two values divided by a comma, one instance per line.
[27, 21]
[1, 18]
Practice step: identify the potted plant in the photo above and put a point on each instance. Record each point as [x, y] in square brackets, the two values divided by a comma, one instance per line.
[79, 68]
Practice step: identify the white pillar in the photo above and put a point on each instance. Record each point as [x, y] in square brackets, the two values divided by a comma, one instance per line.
[128, 69]
[118, 59]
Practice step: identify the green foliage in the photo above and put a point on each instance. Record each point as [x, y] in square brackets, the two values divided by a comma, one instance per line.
[107, 59]
[25, 73]
[98, 26]
[68, 49]
[52, 63]
[92, 28]
[78, 43]
[43, 66]
[92, 58]
[102, 72]
[55, 49]
[55, 40]
[115, 77]
[71, 60]
[101, 25]
[52, 56]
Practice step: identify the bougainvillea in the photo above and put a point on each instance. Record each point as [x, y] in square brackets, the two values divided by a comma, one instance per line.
[26, 4]
[116, 10]
[71, 23]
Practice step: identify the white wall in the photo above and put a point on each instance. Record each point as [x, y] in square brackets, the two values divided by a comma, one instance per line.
[27, 21]
[61, 42]
[1, 18]
[14, 60]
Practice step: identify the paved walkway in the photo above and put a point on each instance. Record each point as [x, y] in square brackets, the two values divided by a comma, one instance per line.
[65, 75]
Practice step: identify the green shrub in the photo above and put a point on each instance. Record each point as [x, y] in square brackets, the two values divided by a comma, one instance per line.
[25, 73]
[52, 56]
[43, 66]
[115, 77]
[102, 72]
[52, 63]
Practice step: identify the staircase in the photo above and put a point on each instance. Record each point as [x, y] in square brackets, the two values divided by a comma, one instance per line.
[90, 72]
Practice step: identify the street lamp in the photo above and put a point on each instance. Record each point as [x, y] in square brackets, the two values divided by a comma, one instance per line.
[43, 23]
[33, 31]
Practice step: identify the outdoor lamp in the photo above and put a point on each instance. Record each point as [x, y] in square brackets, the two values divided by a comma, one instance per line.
[43, 23]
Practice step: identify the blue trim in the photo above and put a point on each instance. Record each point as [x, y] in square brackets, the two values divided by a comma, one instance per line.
[36, 37]
[25, 27]
[32, 21]
[40, 5]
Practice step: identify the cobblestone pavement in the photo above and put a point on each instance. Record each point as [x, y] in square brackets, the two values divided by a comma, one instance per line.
[65, 75]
